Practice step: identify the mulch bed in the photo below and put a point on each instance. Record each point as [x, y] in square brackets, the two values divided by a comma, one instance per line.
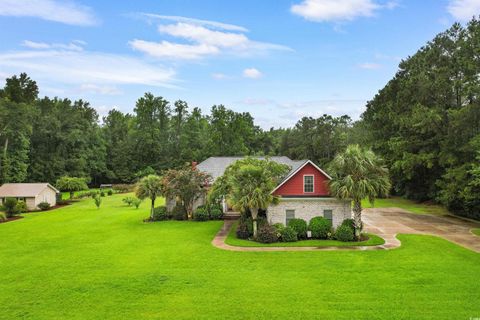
[12, 219]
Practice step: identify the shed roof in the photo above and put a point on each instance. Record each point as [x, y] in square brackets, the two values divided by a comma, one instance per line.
[26, 190]
[215, 166]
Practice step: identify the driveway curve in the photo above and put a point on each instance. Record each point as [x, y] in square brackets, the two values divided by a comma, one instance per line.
[388, 222]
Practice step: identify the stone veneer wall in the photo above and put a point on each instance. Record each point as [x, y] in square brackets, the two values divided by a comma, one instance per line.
[307, 208]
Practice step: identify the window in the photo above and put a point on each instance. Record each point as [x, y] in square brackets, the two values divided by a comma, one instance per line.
[308, 184]
[289, 215]
[328, 214]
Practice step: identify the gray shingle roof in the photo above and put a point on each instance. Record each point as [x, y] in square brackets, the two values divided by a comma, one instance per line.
[23, 189]
[215, 166]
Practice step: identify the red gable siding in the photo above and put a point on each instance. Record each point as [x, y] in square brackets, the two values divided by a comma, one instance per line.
[294, 186]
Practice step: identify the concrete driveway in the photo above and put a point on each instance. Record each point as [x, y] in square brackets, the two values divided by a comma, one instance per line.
[388, 222]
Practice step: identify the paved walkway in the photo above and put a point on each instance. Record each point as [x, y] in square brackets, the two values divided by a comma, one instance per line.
[386, 223]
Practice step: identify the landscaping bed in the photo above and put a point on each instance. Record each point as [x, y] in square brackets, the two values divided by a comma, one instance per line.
[233, 240]
[11, 219]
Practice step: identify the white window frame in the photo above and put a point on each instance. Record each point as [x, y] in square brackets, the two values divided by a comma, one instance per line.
[313, 183]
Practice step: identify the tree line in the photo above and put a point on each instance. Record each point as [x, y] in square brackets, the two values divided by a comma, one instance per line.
[43, 139]
[426, 121]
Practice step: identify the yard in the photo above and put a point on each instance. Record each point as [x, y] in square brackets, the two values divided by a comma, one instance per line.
[78, 262]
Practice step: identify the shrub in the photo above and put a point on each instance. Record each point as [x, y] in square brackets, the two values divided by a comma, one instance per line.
[299, 226]
[248, 223]
[279, 227]
[179, 213]
[214, 206]
[98, 201]
[11, 208]
[350, 223]
[200, 214]
[320, 227]
[344, 233]
[44, 206]
[3, 216]
[102, 194]
[62, 202]
[128, 200]
[242, 230]
[22, 207]
[288, 235]
[136, 202]
[110, 192]
[267, 234]
[160, 214]
[261, 221]
[216, 214]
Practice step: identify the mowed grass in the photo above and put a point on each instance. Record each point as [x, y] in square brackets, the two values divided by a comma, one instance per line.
[476, 231]
[78, 262]
[232, 240]
[409, 205]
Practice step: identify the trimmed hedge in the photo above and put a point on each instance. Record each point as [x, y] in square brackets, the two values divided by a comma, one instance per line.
[300, 227]
[216, 214]
[288, 235]
[267, 234]
[242, 230]
[344, 233]
[179, 213]
[160, 214]
[44, 206]
[320, 227]
[201, 214]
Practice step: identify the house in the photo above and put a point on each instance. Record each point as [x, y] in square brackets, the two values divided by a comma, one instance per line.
[32, 193]
[303, 193]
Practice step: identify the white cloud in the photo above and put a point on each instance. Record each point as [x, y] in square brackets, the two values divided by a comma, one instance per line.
[369, 65]
[252, 73]
[67, 12]
[105, 90]
[58, 68]
[166, 49]
[76, 45]
[212, 24]
[464, 10]
[200, 34]
[205, 38]
[338, 10]
[287, 113]
[219, 76]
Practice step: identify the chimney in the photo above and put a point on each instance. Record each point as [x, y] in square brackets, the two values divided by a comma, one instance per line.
[194, 165]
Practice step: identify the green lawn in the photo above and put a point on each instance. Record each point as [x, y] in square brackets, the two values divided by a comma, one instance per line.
[412, 206]
[476, 231]
[234, 241]
[78, 262]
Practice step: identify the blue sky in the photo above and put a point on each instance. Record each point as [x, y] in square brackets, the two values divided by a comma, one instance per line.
[279, 60]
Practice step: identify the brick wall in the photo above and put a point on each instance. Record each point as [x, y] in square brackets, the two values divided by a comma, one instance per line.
[307, 208]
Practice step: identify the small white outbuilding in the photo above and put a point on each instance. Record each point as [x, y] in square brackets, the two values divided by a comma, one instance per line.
[32, 193]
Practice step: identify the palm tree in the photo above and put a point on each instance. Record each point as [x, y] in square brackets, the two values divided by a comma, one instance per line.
[251, 188]
[149, 187]
[358, 174]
